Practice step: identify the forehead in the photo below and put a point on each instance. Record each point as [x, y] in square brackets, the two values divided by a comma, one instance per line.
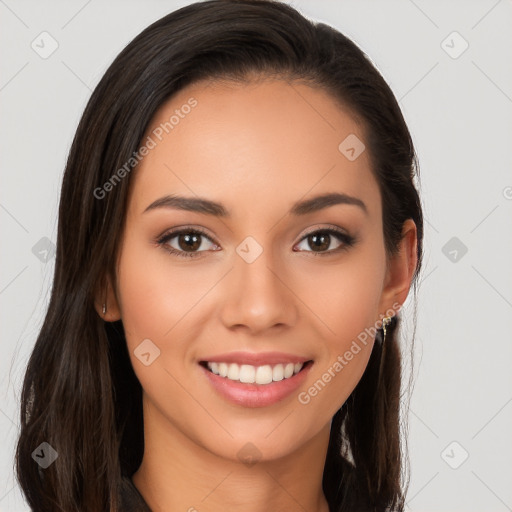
[252, 144]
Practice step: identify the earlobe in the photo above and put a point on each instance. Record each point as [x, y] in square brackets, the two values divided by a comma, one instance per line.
[106, 303]
[401, 267]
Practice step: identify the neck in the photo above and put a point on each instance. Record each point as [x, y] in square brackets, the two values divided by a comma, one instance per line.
[178, 474]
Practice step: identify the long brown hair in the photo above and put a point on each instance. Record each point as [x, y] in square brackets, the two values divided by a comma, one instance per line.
[80, 394]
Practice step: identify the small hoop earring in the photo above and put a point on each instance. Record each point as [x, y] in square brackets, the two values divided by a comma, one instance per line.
[104, 308]
[385, 322]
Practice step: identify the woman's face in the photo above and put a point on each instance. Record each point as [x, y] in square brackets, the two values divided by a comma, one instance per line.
[263, 286]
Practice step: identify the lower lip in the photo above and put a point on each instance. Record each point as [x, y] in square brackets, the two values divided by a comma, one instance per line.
[256, 395]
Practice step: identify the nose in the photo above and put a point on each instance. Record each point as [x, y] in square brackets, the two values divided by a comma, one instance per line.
[258, 296]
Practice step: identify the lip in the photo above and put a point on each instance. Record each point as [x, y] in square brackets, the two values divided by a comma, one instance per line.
[256, 359]
[256, 395]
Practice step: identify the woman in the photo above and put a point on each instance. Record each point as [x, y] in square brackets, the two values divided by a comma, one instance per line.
[238, 230]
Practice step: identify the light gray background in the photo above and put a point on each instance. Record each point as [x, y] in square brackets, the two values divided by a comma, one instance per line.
[459, 112]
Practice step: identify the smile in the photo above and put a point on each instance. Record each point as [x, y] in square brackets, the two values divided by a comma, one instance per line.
[250, 374]
[249, 385]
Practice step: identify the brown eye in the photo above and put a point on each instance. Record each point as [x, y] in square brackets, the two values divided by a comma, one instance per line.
[320, 241]
[188, 242]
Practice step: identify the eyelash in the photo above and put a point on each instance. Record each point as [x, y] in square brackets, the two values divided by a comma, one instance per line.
[347, 241]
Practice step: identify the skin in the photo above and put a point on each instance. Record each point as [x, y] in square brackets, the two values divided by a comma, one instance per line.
[257, 148]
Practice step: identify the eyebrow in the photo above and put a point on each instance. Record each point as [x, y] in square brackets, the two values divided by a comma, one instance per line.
[208, 207]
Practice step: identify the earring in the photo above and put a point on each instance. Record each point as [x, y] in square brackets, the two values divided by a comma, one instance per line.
[385, 322]
[104, 308]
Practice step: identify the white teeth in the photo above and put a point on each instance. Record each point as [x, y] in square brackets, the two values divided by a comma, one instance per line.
[264, 374]
[278, 372]
[223, 369]
[233, 371]
[249, 374]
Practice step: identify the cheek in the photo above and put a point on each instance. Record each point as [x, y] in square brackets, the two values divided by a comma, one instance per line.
[347, 301]
[346, 296]
[156, 302]
[154, 295]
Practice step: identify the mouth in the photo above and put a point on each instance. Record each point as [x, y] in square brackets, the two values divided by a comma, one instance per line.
[250, 374]
[249, 385]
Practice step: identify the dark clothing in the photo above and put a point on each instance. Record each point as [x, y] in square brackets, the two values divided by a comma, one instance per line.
[131, 499]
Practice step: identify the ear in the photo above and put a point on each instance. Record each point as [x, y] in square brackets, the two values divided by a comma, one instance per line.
[400, 269]
[106, 297]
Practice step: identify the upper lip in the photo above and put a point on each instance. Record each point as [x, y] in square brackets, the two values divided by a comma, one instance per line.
[256, 359]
